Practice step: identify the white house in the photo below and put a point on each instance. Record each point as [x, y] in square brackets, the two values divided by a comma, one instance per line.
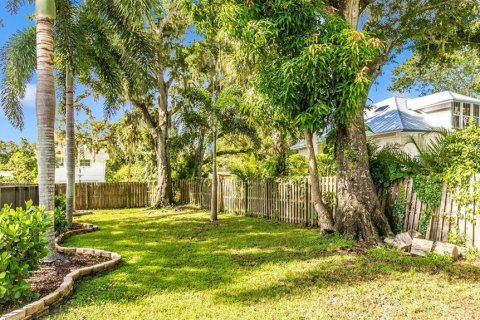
[396, 120]
[90, 166]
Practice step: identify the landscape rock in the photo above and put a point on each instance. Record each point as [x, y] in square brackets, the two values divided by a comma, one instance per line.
[402, 241]
[447, 249]
[388, 240]
[415, 234]
[420, 247]
[462, 251]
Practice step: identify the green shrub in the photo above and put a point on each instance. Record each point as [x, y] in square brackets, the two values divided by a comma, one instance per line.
[22, 245]
[61, 223]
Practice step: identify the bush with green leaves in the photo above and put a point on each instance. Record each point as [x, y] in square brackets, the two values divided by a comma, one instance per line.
[61, 222]
[22, 245]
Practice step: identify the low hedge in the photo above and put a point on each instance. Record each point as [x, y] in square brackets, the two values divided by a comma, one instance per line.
[22, 245]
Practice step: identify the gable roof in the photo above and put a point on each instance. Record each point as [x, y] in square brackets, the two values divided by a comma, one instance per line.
[438, 98]
[396, 117]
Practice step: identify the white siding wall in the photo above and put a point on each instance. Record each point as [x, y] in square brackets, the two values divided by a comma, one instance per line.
[94, 173]
[404, 140]
[441, 119]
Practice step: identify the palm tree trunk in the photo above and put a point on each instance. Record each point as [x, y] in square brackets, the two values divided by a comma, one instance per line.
[45, 109]
[325, 219]
[70, 152]
[214, 213]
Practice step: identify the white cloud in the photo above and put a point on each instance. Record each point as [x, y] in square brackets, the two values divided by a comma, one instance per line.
[29, 99]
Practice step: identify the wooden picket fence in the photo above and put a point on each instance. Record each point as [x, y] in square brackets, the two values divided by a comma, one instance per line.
[290, 202]
[87, 195]
[282, 200]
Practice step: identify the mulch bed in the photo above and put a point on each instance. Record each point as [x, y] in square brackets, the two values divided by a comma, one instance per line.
[49, 276]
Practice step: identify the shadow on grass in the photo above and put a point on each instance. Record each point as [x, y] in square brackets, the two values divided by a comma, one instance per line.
[182, 251]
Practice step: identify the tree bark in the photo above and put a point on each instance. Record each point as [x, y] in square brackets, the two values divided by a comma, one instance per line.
[358, 213]
[281, 154]
[45, 110]
[164, 186]
[70, 148]
[214, 211]
[199, 153]
[325, 219]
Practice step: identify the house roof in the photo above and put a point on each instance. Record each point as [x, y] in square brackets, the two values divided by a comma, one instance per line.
[395, 117]
[438, 98]
[299, 145]
[402, 114]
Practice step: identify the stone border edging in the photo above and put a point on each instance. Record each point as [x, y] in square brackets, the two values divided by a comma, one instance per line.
[79, 213]
[43, 306]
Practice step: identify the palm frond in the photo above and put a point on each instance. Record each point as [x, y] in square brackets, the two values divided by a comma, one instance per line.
[18, 62]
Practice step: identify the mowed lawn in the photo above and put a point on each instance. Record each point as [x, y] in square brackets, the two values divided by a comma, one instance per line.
[177, 265]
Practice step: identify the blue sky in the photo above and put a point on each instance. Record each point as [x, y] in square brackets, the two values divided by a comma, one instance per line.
[14, 23]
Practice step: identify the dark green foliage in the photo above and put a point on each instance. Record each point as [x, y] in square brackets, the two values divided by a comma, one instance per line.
[61, 222]
[389, 164]
[429, 191]
[308, 63]
[462, 148]
[22, 245]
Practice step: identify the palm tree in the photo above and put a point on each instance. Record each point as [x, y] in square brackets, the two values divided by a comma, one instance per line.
[45, 13]
[70, 148]
[18, 61]
[217, 113]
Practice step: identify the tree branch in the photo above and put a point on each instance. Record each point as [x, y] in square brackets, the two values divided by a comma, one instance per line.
[149, 120]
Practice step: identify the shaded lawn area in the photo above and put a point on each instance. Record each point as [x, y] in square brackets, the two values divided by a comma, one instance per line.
[179, 266]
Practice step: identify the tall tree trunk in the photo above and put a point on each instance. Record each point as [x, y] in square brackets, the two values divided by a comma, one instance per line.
[214, 213]
[45, 109]
[325, 219]
[164, 185]
[70, 148]
[358, 213]
[199, 153]
[280, 153]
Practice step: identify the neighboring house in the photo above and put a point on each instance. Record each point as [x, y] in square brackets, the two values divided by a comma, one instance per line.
[396, 120]
[90, 167]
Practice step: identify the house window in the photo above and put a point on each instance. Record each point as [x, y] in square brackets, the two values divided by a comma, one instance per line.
[467, 114]
[84, 163]
[463, 113]
[476, 113]
[456, 115]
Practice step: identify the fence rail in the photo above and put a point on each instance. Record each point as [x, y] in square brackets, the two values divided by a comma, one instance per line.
[87, 195]
[290, 201]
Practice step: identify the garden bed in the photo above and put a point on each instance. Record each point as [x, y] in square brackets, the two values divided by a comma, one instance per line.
[54, 282]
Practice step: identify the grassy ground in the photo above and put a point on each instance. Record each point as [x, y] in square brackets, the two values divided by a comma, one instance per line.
[179, 266]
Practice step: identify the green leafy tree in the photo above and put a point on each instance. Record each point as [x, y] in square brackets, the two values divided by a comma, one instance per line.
[143, 50]
[399, 24]
[458, 71]
[23, 163]
[303, 57]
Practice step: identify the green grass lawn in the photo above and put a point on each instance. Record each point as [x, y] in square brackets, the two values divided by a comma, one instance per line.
[177, 265]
